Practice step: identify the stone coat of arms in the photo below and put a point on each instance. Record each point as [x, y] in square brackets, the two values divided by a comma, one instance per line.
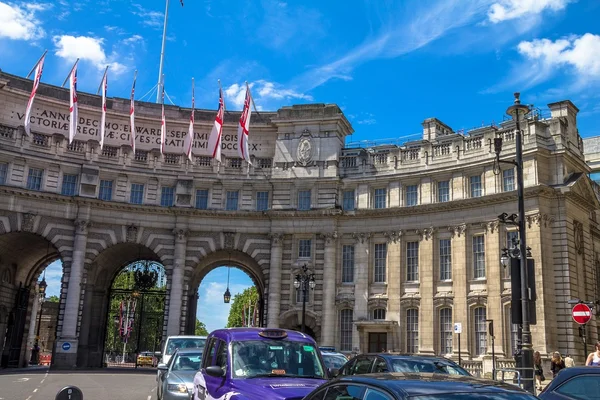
[304, 152]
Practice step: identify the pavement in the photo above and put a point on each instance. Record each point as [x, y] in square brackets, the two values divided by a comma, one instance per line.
[40, 383]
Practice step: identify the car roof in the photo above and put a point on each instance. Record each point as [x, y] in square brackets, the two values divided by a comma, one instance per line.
[412, 384]
[190, 351]
[186, 337]
[240, 334]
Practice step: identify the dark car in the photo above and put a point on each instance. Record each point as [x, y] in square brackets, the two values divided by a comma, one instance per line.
[579, 383]
[333, 360]
[258, 364]
[176, 379]
[422, 386]
[390, 362]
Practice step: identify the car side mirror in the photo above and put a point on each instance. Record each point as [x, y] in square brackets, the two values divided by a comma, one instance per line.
[215, 370]
[162, 367]
[333, 372]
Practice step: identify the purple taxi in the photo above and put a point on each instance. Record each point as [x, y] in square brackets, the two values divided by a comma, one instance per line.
[258, 363]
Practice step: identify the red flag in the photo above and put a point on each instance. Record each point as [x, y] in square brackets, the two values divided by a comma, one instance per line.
[132, 115]
[36, 82]
[189, 139]
[244, 127]
[214, 141]
[73, 107]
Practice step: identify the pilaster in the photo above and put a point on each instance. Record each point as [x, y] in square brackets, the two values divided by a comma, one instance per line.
[361, 287]
[460, 286]
[273, 304]
[328, 314]
[426, 310]
[176, 290]
[393, 285]
[494, 285]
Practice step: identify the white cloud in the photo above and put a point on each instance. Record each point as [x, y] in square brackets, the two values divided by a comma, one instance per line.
[133, 40]
[504, 10]
[85, 48]
[20, 23]
[154, 19]
[263, 92]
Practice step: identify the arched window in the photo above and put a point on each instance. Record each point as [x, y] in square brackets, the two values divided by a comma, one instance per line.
[346, 330]
[379, 314]
[479, 317]
[446, 330]
[412, 330]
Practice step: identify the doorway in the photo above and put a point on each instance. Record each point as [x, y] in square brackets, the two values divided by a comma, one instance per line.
[377, 342]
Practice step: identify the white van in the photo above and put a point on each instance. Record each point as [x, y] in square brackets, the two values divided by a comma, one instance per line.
[180, 342]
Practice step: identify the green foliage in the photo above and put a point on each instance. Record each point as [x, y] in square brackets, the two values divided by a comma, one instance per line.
[241, 301]
[52, 299]
[200, 329]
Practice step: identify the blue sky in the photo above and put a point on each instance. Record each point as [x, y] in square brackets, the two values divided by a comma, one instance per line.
[211, 308]
[388, 64]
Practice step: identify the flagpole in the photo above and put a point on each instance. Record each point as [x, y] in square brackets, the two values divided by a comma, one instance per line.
[70, 72]
[251, 97]
[35, 65]
[162, 55]
[102, 81]
[220, 92]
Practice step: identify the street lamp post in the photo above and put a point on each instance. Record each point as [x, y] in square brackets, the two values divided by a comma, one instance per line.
[303, 281]
[518, 111]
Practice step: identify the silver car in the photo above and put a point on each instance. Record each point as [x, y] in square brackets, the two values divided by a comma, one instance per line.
[175, 379]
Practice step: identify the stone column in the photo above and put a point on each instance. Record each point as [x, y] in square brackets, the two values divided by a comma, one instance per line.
[361, 286]
[66, 346]
[460, 268]
[328, 324]
[176, 292]
[275, 281]
[35, 309]
[427, 320]
[393, 285]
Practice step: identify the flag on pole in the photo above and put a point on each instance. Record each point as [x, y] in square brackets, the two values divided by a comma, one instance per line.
[244, 127]
[163, 124]
[132, 115]
[39, 67]
[214, 141]
[103, 118]
[73, 107]
[189, 139]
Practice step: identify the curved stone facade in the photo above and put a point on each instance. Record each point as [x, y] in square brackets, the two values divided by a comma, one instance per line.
[404, 241]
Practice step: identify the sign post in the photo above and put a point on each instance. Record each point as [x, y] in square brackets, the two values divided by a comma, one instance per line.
[582, 314]
[458, 331]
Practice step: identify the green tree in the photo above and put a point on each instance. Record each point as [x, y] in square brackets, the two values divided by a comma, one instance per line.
[200, 328]
[52, 299]
[248, 298]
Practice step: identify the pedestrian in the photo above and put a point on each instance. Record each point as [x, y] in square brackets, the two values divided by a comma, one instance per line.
[557, 363]
[539, 370]
[569, 362]
[594, 357]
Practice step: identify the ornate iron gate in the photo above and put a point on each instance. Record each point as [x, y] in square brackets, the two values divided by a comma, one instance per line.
[135, 319]
[16, 329]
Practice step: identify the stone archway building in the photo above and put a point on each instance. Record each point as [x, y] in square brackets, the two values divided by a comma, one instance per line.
[404, 240]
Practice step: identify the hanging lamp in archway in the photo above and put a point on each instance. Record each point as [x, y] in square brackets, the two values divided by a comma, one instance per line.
[227, 294]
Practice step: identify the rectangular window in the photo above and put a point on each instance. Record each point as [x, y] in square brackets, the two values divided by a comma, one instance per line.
[304, 248]
[137, 193]
[347, 263]
[412, 261]
[202, 199]
[262, 201]
[512, 240]
[167, 196]
[508, 180]
[475, 182]
[346, 330]
[304, 200]
[379, 314]
[34, 179]
[412, 195]
[480, 331]
[380, 262]
[105, 192]
[348, 201]
[412, 330]
[3, 173]
[69, 185]
[446, 330]
[231, 203]
[445, 259]
[443, 191]
[478, 257]
[380, 198]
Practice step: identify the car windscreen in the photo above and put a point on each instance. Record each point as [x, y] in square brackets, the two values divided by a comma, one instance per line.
[187, 362]
[181, 343]
[285, 358]
[475, 395]
[421, 365]
[334, 361]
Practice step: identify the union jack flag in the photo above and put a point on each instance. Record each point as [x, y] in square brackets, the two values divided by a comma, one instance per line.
[36, 82]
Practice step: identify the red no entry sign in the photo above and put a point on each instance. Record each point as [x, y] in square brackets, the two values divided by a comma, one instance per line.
[581, 313]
